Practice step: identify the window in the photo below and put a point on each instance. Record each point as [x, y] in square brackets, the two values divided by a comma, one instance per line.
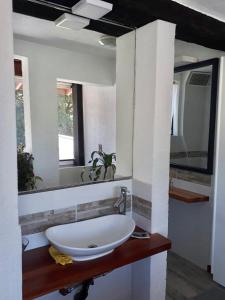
[70, 123]
[22, 100]
[175, 106]
[65, 121]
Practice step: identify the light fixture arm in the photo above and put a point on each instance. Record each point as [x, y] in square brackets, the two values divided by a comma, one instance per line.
[68, 10]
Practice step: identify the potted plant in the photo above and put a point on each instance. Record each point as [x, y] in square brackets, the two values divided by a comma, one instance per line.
[102, 163]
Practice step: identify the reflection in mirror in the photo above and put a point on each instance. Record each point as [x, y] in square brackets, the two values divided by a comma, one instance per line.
[67, 105]
[193, 116]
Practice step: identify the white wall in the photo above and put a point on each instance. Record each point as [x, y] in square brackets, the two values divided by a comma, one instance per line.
[190, 225]
[125, 77]
[63, 198]
[154, 78]
[196, 112]
[10, 237]
[46, 64]
[199, 230]
[68, 175]
[153, 94]
[99, 104]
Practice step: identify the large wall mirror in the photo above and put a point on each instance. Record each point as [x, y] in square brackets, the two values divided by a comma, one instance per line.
[193, 116]
[71, 101]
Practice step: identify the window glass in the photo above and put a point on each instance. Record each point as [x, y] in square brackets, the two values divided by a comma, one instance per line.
[175, 105]
[65, 121]
[20, 124]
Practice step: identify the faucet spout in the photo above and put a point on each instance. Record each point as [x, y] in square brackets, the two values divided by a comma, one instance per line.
[121, 203]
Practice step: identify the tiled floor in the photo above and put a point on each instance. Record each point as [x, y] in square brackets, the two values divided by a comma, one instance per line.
[187, 281]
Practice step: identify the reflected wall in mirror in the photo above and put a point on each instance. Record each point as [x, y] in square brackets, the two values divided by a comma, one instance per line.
[70, 97]
[193, 116]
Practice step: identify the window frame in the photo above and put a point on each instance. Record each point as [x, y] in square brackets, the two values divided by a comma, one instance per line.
[174, 113]
[214, 62]
[78, 128]
[21, 69]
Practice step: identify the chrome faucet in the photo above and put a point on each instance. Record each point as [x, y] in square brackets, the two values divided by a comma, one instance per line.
[121, 203]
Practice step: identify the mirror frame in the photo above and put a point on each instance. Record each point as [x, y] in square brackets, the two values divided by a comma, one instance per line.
[213, 107]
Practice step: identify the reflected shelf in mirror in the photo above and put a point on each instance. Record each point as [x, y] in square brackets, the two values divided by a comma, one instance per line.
[119, 178]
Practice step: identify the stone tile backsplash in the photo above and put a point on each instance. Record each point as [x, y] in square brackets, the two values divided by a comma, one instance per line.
[142, 207]
[39, 222]
[96, 209]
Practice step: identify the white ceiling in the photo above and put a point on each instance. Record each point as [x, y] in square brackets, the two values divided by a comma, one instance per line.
[45, 32]
[213, 8]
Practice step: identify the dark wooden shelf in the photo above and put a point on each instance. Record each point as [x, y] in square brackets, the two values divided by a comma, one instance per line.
[41, 275]
[187, 196]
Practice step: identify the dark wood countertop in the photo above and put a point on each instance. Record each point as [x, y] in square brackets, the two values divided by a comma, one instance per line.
[41, 275]
[187, 196]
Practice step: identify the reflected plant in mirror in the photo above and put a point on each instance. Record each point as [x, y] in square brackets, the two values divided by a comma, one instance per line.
[102, 168]
[27, 180]
[193, 116]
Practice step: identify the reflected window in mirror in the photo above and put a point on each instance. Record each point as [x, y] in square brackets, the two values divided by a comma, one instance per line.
[23, 126]
[175, 106]
[20, 124]
[70, 123]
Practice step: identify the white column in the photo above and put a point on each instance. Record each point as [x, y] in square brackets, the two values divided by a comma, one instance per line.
[153, 97]
[125, 60]
[10, 237]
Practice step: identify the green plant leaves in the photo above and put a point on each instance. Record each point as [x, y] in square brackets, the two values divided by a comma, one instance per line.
[101, 163]
[26, 177]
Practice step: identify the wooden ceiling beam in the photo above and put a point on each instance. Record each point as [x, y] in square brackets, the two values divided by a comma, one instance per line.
[192, 26]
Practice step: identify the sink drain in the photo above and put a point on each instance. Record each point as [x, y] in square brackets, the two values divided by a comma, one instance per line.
[92, 246]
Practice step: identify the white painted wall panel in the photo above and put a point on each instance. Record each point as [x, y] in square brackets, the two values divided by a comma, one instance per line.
[190, 225]
[10, 236]
[99, 103]
[62, 198]
[153, 97]
[125, 60]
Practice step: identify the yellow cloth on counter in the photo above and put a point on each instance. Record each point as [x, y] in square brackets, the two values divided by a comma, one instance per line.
[60, 258]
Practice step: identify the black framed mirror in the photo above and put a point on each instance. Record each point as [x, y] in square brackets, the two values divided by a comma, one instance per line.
[193, 116]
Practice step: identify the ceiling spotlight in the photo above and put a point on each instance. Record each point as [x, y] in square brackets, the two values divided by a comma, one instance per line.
[106, 40]
[71, 22]
[93, 9]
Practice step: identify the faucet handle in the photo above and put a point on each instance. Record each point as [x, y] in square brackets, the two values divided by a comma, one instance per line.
[124, 189]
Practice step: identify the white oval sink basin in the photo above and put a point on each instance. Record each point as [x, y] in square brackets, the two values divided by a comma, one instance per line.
[92, 238]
